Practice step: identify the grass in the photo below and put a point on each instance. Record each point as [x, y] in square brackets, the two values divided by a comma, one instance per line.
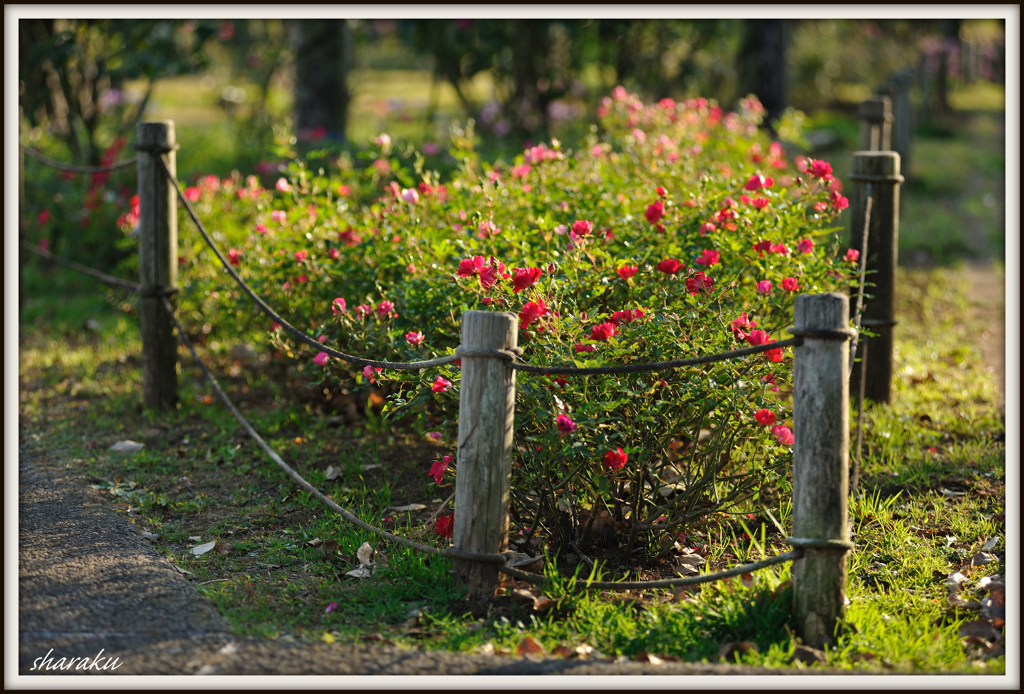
[921, 515]
[931, 495]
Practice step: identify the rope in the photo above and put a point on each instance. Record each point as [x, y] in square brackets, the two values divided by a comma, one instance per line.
[53, 163]
[313, 342]
[509, 355]
[453, 552]
[450, 552]
[158, 149]
[815, 543]
[858, 320]
[102, 277]
[667, 583]
[837, 334]
[876, 178]
[661, 365]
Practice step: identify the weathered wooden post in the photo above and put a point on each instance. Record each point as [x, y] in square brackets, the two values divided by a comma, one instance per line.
[821, 413]
[875, 123]
[897, 88]
[879, 171]
[158, 263]
[486, 414]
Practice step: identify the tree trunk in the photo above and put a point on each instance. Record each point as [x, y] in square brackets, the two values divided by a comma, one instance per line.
[322, 59]
[762, 64]
[951, 34]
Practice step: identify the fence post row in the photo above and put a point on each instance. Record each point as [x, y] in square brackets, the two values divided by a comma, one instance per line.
[880, 171]
[821, 413]
[158, 263]
[486, 421]
[875, 123]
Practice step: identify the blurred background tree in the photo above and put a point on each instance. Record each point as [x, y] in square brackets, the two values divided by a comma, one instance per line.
[72, 73]
[234, 87]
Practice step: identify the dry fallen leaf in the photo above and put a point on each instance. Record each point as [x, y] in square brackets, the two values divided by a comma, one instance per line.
[563, 651]
[981, 628]
[331, 473]
[486, 649]
[150, 536]
[200, 550]
[645, 657]
[747, 580]
[692, 560]
[982, 559]
[523, 596]
[529, 646]
[379, 638]
[994, 606]
[954, 580]
[315, 542]
[544, 603]
[365, 554]
[360, 572]
[524, 562]
[224, 547]
[127, 446]
[409, 507]
[990, 544]
[585, 651]
[687, 569]
[951, 494]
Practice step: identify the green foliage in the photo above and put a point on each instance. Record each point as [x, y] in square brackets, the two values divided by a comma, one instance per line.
[408, 253]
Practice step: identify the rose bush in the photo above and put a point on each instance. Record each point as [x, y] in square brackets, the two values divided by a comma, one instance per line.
[640, 245]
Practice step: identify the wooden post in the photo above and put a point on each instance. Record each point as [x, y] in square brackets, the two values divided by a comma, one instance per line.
[158, 263]
[897, 88]
[880, 171]
[875, 123]
[821, 413]
[486, 413]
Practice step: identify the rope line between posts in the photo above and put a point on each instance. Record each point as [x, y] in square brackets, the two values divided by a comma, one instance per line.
[53, 163]
[452, 552]
[508, 355]
[101, 276]
[668, 582]
[313, 342]
[301, 481]
[858, 311]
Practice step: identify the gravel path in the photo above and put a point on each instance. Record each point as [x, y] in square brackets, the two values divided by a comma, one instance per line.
[89, 582]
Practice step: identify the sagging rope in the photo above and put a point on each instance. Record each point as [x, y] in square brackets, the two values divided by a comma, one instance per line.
[101, 276]
[61, 166]
[455, 553]
[509, 356]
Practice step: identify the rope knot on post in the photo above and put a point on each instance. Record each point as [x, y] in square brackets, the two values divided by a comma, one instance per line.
[509, 355]
[814, 543]
[839, 334]
[158, 148]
